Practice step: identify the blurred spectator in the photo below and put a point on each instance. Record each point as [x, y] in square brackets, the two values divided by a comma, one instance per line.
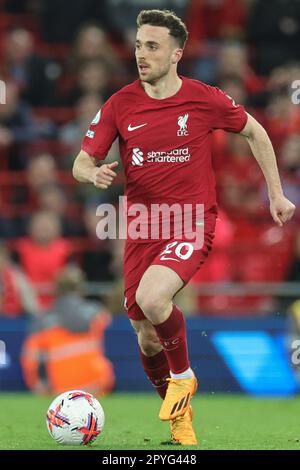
[262, 253]
[60, 20]
[290, 167]
[43, 254]
[18, 127]
[16, 294]
[52, 198]
[92, 78]
[41, 171]
[91, 44]
[216, 19]
[293, 273]
[115, 299]
[65, 350]
[282, 118]
[244, 252]
[232, 60]
[217, 268]
[71, 133]
[228, 60]
[35, 76]
[239, 179]
[92, 66]
[274, 32]
[281, 78]
[209, 22]
[123, 14]
[97, 256]
[233, 86]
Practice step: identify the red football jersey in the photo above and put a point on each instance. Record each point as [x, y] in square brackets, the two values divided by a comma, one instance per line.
[165, 144]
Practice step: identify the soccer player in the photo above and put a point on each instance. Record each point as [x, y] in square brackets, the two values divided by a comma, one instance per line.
[164, 123]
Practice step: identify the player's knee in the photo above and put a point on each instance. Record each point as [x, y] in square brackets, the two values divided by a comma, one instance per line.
[149, 343]
[150, 303]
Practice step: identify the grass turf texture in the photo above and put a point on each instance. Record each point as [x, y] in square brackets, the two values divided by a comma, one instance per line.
[221, 422]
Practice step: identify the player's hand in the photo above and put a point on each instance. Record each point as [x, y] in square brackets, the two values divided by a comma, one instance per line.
[281, 209]
[103, 177]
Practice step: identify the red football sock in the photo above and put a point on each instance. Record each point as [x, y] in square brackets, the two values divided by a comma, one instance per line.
[172, 335]
[157, 371]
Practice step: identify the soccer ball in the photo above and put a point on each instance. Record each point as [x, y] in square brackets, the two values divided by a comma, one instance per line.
[75, 418]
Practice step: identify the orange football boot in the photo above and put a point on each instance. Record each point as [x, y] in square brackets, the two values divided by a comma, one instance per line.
[178, 397]
[182, 431]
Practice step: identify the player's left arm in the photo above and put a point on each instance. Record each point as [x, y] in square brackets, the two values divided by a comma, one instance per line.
[281, 208]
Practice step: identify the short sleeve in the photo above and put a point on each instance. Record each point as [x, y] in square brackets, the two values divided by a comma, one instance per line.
[226, 114]
[101, 133]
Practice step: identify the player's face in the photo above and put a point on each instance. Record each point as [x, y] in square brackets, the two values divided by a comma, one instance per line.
[155, 52]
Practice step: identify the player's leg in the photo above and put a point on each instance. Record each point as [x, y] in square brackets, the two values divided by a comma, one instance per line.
[152, 355]
[154, 295]
[156, 367]
[137, 259]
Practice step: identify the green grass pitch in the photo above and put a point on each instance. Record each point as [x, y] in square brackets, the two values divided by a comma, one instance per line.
[221, 422]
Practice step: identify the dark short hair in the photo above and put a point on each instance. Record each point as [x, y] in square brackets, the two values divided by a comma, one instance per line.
[165, 18]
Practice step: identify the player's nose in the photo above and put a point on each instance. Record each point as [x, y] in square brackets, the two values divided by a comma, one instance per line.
[140, 57]
[140, 53]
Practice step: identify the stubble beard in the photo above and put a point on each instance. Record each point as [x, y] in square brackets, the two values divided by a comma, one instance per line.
[153, 78]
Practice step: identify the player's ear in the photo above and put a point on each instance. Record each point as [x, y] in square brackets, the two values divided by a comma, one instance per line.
[176, 56]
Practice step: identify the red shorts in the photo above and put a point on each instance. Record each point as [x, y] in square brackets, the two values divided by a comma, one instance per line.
[177, 254]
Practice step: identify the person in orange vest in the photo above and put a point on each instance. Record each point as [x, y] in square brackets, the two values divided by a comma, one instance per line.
[65, 350]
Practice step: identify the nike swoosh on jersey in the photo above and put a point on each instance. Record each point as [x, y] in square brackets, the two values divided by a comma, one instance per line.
[136, 127]
[171, 259]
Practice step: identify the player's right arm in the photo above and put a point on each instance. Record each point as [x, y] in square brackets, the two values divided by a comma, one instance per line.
[88, 166]
[86, 170]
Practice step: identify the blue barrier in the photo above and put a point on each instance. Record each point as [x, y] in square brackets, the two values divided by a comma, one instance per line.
[228, 355]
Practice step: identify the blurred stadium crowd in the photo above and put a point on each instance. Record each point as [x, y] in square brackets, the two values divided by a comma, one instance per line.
[60, 61]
